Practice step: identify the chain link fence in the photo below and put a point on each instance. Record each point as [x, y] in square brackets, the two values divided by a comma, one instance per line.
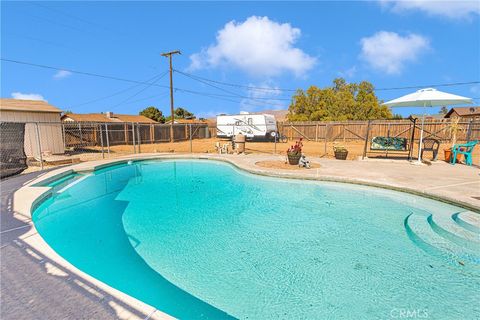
[36, 145]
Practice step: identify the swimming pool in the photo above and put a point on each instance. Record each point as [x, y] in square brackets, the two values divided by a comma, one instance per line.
[202, 239]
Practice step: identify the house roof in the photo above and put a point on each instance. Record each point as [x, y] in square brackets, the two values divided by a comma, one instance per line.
[102, 117]
[464, 111]
[27, 106]
[193, 121]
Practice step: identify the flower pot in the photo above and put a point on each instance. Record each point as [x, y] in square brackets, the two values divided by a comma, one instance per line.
[293, 159]
[341, 154]
[448, 155]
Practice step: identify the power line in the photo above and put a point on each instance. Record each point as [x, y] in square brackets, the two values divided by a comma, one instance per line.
[221, 97]
[114, 78]
[294, 90]
[211, 95]
[161, 95]
[158, 77]
[234, 94]
[113, 94]
[80, 72]
[69, 15]
[430, 86]
[235, 85]
[225, 95]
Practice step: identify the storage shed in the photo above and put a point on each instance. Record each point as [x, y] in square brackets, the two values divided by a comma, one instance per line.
[35, 113]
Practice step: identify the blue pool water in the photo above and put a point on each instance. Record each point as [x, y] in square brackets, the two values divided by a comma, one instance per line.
[201, 239]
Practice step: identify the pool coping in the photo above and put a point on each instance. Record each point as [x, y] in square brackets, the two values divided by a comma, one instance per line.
[31, 195]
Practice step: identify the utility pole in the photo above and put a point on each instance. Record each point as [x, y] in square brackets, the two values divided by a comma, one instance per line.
[172, 111]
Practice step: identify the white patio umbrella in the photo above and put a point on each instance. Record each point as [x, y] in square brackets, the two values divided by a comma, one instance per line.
[428, 97]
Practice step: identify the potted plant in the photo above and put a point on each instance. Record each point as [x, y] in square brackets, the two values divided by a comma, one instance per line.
[294, 153]
[453, 129]
[340, 152]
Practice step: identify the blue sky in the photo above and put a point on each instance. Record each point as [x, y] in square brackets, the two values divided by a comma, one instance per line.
[269, 45]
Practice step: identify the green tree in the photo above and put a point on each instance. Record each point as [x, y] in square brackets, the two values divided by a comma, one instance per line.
[153, 113]
[181, 113]
[443, 110]
[397, 116]
[342, 101]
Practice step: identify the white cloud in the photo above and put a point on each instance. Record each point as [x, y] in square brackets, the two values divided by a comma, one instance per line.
[447, 8]
[389, 52]
[27, 96]
[258, 46]
[264, 98]
[62, 74]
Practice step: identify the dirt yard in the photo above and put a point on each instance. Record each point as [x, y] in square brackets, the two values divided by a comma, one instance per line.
[311, 149]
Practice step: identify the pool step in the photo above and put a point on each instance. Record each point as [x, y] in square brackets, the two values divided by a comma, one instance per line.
[421, 233]
[469, 220]
[446, 227]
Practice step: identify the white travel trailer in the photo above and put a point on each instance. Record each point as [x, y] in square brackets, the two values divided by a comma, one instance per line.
[253, 126]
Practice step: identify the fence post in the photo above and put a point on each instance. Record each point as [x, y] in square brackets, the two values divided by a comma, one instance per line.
[81, 136]
[39, 145]
[64, 137]
[366, 140]
[412, 139]
[316, 132]
[469, 130]
[133, 138]
[139, 139]
[275, 145]
[108, 139]
[191, 147]
[326, 137]
[101, 140]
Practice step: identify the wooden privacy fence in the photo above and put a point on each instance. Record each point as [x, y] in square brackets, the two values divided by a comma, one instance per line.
[357, 130]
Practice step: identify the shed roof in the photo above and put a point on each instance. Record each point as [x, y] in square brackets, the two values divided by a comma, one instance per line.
[27, 106]
[102, 117]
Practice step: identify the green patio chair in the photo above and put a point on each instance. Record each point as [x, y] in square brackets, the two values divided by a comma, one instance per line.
[465, 149]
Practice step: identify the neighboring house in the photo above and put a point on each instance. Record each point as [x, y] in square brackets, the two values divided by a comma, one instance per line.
[187, 121]
[465, 113]
[105, 117]
[35, 113]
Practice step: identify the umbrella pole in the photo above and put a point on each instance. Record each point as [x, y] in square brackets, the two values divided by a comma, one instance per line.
[421, 137]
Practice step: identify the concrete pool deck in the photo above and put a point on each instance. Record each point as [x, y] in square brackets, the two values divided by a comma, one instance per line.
[38, 283]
